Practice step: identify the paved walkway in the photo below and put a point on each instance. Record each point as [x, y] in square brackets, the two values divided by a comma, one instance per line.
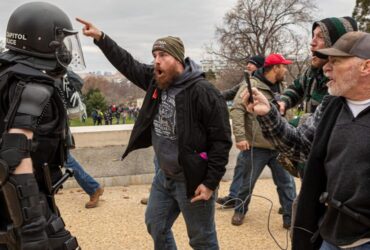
[118, 222]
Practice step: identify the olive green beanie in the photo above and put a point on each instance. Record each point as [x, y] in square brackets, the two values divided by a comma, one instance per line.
[172, 45]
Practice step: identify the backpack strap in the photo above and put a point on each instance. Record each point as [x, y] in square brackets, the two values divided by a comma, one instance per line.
[14, 105]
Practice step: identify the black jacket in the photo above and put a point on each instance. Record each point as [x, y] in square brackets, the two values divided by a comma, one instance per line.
[201, 116]
[337, 164]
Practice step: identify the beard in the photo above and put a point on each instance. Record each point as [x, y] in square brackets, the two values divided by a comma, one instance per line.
[280, 78]
[340, 88]
[165, 78]
[342, 85]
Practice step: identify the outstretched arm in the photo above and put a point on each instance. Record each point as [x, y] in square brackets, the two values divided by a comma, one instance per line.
[229, 94]
[293, 142]
[293, 94]
[138, 73]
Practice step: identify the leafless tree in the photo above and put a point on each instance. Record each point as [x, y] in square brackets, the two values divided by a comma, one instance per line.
[261, 27]
[299, 53]
[228, 77]
[361, 14]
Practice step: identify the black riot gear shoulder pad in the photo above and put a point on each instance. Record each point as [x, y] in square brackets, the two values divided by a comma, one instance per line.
[35, 97]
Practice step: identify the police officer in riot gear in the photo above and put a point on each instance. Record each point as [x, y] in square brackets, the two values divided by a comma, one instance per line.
[33, 126]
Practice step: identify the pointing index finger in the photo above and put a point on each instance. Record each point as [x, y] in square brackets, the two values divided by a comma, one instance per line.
[83, 21]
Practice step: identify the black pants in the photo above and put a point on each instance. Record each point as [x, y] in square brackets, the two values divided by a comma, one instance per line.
[56, 239]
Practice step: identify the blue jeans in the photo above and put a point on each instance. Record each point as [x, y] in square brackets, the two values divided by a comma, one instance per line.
[282, 179]
[237, 177]
[239, 169]
[156, 164]
[86, 182]
[167, 199]
[327, 246]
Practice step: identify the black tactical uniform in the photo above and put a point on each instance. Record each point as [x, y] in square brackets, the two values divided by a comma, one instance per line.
[41, 45]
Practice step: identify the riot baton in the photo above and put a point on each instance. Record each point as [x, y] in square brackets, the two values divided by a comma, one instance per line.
[52, 189]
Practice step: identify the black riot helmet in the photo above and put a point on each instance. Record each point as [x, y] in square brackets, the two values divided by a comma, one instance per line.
[43, 30]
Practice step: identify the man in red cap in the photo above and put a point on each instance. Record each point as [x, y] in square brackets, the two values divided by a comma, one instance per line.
[256, 151]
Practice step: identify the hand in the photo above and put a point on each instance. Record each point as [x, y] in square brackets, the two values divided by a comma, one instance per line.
[90, 30]
[260, 106]
[282, 107]
[243, 145]
[202, 193]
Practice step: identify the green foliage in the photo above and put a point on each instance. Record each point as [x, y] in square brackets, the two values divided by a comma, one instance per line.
[361, 13]
[89, 122]
[95, 100]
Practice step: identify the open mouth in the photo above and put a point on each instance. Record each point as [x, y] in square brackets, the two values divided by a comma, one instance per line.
[159, 72]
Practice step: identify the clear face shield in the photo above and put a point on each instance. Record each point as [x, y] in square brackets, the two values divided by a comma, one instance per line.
[69, 53]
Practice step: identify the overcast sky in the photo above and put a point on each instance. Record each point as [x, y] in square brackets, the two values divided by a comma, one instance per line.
[135, 24]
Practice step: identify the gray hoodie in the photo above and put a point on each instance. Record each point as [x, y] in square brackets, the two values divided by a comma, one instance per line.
[164, 135]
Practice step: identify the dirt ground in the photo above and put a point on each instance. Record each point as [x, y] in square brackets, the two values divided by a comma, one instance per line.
[118, 222]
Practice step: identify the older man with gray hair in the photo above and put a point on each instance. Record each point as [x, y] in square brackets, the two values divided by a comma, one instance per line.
[334, 209]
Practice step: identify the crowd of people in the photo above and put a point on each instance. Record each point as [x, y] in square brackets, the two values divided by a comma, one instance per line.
[186, 120]
[121, 114]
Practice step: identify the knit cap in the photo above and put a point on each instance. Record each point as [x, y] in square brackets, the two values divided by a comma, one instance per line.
[334, 27]
[172, 45]
[258, 61]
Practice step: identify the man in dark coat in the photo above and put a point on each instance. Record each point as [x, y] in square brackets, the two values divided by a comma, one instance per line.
[186, 121]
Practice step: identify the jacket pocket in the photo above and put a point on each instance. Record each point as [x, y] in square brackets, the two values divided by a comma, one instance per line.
[195, 168]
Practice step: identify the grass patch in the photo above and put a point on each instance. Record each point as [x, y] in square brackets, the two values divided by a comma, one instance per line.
[89, 122]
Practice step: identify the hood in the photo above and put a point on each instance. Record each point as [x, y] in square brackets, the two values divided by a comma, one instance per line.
[259, 75]
[191, 73]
